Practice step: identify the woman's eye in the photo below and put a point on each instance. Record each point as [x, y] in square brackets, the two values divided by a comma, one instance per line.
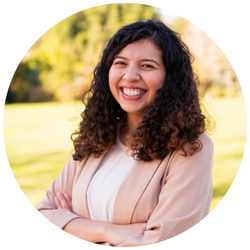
[120, 63]
[147, 66]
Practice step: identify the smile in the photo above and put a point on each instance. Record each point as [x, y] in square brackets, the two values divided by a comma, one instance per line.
[133, 92]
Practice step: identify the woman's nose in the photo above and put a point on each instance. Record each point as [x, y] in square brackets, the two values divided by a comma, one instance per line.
[131, 74]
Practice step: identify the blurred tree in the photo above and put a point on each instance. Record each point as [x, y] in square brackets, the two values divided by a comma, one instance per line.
[26, 86]
[61, 62]
[216, 74]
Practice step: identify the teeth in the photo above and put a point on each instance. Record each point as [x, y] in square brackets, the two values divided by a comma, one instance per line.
[133, 92]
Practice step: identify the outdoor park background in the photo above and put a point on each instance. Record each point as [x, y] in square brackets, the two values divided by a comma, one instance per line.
[43, 108]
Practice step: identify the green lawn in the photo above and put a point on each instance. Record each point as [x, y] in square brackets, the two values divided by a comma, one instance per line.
[38, 145]
[229, 142]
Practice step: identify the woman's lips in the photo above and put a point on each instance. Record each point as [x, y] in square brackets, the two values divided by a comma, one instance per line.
[132, 93]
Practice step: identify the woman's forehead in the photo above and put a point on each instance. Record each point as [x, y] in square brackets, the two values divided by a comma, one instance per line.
[142, 48]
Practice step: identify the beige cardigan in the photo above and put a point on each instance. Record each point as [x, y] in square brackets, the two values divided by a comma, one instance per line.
[171, 195]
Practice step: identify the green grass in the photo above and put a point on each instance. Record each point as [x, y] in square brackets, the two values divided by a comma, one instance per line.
[37, 142]
[38, 145]
[229, 142]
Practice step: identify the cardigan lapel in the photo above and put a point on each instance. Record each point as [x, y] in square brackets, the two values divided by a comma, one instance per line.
[86, 176]
[132, 189]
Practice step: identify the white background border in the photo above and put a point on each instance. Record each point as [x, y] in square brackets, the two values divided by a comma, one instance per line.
[23, 22]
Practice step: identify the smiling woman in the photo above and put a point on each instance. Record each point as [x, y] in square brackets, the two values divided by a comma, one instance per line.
[134, 78]
[141, 172]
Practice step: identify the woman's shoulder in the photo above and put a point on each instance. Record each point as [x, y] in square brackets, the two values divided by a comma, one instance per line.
[206, 141]
[199, 162]
[206, 147]
[75, 165]
[205, 137]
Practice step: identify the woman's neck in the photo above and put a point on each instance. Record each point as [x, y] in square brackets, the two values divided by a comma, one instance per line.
[128, 128]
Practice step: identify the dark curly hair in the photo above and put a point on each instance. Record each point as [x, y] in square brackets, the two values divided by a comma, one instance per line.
[175, 117]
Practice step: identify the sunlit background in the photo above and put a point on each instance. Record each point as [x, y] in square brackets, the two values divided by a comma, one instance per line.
[43, 102]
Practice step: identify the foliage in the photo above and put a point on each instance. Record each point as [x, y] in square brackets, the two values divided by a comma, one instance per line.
[60, 63]
[216, 74]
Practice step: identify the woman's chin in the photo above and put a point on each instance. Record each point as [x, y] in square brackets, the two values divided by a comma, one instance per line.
[134, 111]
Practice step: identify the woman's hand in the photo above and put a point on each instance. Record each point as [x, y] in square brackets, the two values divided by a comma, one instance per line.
[117, 234]
[63, 201]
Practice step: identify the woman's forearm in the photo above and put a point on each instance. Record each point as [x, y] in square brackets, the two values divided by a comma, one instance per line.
[86, 229]
[100, 231]
[97, 231]
[89, 230]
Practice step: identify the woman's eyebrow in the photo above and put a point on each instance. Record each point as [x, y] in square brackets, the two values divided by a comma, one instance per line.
[121, 57]
[150, 60]
[142, 60]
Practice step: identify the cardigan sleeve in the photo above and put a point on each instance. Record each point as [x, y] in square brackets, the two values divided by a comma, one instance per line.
[63, 183]
[184, 199]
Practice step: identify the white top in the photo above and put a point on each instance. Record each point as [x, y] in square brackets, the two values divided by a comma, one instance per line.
[105, 184]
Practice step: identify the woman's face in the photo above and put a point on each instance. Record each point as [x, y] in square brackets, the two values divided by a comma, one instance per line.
[136, 74]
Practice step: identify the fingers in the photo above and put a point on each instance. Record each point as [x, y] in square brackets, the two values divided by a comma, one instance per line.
[63, 201]
[68, 199]
[58, 203]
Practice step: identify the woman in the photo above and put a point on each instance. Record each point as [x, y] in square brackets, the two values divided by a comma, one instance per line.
[142, 168]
